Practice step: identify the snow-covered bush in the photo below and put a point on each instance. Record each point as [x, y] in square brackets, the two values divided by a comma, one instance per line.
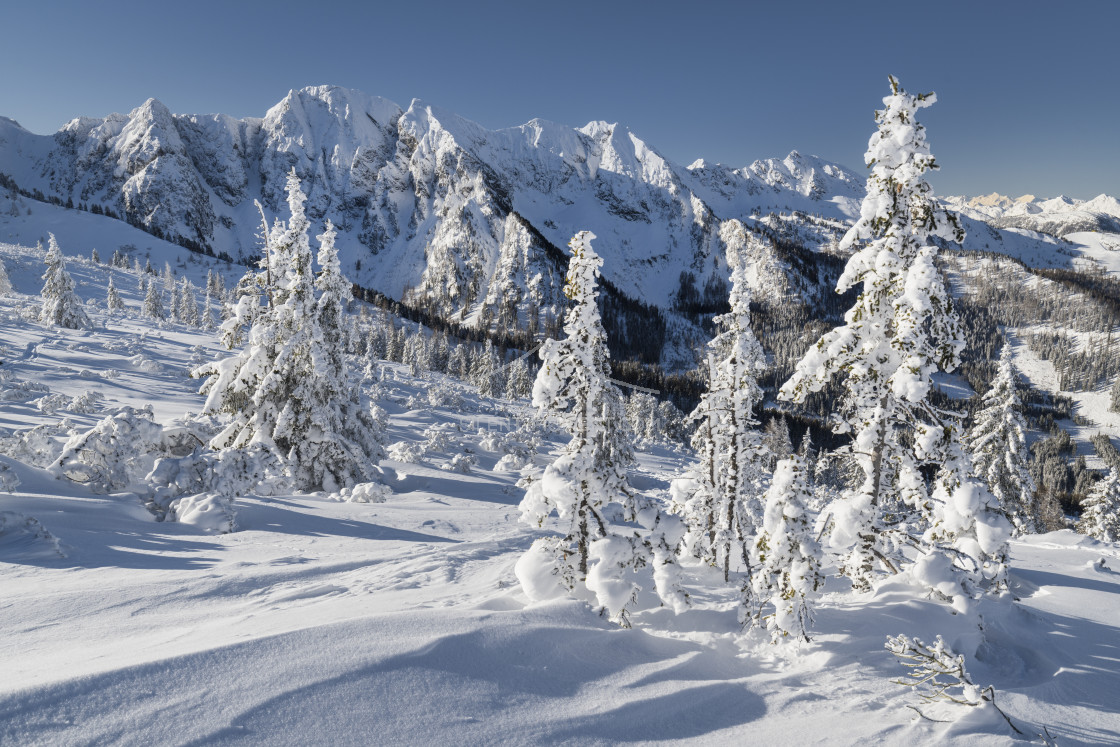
[5, 283]
[113, 454]
[461, 463]
[408, 452]
[445, 395]
[211, 512]
[38, 446]
[367, 492]
[199, 487]
[440, 437]
[9, 480]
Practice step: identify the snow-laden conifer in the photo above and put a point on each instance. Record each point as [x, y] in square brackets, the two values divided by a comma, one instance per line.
[786, 555]
[720, 497]
[188, 303]
[519, 381]
[288, 388]
[153, 298]
[998, 444]
[113, 300]
[61, 305]
[1100, 511]
[5, 282]
[573, 386]
[901, 330]
[206, 321]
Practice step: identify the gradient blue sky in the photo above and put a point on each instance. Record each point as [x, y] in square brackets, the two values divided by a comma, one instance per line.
[1029, 92]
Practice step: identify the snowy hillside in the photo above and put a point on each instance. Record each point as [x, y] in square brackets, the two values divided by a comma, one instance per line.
[326, 620]
[434, 209]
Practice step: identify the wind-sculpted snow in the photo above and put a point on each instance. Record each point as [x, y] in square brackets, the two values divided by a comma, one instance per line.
[392, 614]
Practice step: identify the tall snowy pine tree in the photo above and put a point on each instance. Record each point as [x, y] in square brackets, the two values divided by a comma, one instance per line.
[61, 305]
[720, 498]
[787, 556]
[901, 330]
[998, 444]
[288, 389]
[590, 474]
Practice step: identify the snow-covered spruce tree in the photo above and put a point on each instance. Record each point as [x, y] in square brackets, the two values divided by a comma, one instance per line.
[287, 389]
[901, 330]
[5, 282]
[519, 382]
[590, 474]
[998, 444]
[206, 321]
[153, 299]
[113, 300]
[1100, 511]
[720, 498]
[786, 555]
[188, 304]
[1114, 397]
[61, 305]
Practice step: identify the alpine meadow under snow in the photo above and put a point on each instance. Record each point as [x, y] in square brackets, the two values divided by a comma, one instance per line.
[764, 456]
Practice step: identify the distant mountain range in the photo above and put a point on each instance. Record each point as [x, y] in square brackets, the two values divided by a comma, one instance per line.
[466, 221]
[1059, 216]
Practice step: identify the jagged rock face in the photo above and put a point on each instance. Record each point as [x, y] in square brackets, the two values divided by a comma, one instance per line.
[427, 203]
[436, 209]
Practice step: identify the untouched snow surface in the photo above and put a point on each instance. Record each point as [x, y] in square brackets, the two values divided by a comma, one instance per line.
[326, 622]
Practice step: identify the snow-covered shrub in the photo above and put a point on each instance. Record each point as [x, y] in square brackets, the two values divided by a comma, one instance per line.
[114, 453]
[9, 480]
[200, 486]
[14, 523]
[38, 446]
[5, 283]
[211, 512]
[512, 463]
[461, 463]
[936, 672]
[367, 492]
[440, 437]
[445, 395]
[409, 452]
[15, 390]
[84, 404]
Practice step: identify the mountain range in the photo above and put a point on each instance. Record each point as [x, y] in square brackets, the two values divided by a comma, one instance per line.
[438, 211]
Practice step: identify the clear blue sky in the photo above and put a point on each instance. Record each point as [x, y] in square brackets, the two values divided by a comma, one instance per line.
[1029, 92]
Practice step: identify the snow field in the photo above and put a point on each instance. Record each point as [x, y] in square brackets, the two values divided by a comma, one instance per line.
[329, 622]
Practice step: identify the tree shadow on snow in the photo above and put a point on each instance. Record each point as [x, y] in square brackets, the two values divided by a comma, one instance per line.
[680, 715]
[273, 516]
